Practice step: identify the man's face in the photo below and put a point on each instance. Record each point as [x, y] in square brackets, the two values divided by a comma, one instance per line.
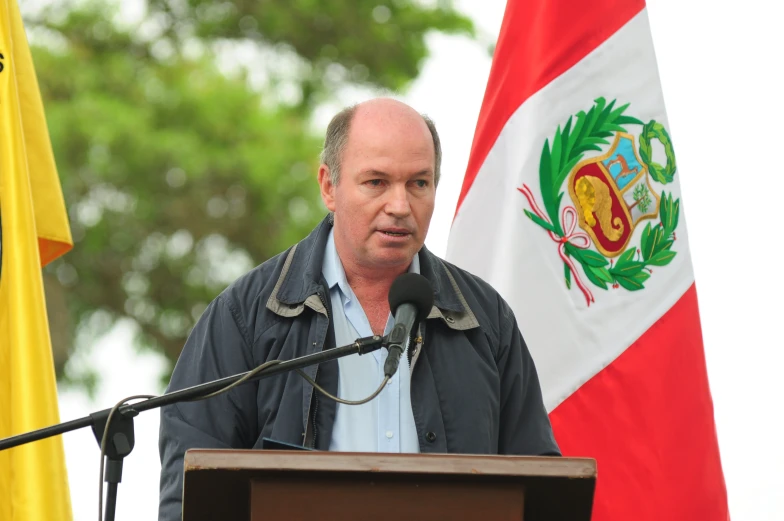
[385, 197]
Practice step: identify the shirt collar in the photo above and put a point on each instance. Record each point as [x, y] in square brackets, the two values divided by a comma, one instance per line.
[333, 271]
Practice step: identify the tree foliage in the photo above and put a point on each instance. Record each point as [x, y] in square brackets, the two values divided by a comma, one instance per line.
[178, 176]
[369, 42]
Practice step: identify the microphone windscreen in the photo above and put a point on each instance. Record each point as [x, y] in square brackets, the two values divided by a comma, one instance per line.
[414, 289]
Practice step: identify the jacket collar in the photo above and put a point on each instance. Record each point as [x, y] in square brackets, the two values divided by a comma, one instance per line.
[300, 280]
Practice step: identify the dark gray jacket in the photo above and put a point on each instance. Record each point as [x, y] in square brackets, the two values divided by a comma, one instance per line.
[474, 387]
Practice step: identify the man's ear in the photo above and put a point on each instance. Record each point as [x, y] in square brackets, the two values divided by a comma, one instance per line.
[327, 188]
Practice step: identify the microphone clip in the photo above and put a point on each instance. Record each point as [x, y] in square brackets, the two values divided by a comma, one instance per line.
[368, 344]
[396, 343]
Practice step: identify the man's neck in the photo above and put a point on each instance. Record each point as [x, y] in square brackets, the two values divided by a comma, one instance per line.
[372, 281]
[371, 288]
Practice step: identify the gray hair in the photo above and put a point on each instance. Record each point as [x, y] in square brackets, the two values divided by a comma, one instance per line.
[336, 140]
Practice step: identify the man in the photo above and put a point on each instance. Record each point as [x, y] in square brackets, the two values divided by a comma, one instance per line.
[469, 384]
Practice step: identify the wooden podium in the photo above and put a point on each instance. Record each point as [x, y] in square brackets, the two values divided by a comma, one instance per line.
[256, 485]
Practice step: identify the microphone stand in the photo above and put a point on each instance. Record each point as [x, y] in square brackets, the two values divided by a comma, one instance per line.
[120, 438]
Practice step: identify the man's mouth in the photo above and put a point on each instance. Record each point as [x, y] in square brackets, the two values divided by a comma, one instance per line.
[395, 234]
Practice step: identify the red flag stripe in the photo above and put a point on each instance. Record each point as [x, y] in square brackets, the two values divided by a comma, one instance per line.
[538, 42]
[647, 418]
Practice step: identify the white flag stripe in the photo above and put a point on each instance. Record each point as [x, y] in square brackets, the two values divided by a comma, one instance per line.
[569, 341]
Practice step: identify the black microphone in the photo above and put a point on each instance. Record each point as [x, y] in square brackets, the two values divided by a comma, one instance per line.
[410, 300]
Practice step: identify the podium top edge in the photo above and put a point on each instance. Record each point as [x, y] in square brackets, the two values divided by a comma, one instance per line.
[492, 465]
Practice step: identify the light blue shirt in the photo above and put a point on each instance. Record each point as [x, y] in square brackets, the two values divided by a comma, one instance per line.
[386, 423]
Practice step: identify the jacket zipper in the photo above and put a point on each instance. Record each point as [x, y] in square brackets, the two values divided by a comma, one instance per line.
[313, 395]
[419, 343]
[412, 358]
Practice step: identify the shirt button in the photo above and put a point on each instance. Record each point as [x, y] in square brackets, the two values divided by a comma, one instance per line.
[390, 434]
[430, 436]
[389, 382]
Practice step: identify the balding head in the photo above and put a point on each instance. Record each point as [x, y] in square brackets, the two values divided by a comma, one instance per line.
[376, 115]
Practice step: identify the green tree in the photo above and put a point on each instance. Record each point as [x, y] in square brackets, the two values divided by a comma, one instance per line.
[179, 177]
[642, 197]
[372, 42]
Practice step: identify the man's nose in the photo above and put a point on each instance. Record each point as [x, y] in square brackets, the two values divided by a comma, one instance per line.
[397, 201]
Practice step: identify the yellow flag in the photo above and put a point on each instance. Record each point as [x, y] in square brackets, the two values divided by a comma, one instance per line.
[33, 478]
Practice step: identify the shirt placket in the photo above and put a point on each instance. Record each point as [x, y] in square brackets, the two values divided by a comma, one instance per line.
[388, 407]
[388, 401]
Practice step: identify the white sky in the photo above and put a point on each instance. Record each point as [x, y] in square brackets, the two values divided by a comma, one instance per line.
[721, 71]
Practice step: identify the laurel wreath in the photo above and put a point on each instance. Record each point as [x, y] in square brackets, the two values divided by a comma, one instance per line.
[591, 129]
[654, 130]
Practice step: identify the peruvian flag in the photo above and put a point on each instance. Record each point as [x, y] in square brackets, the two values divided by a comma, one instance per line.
[571, 208]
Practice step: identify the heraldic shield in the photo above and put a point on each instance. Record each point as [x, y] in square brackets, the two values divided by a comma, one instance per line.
[612, 193]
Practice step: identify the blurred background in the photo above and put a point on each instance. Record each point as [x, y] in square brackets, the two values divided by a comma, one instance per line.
[187, 134]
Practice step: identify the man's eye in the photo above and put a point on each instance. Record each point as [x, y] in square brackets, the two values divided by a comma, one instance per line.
[421, 183]
[374, 182]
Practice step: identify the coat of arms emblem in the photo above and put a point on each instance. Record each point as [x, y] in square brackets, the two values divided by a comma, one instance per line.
[612, 193]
